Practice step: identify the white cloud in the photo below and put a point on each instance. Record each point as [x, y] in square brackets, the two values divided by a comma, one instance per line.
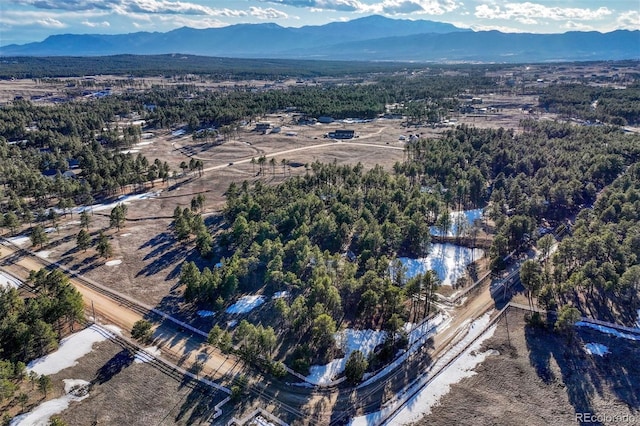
[41, 18]
[51, 23]
[103, 24]
[527, 20]
[166, 7]
[269, 13]
[125, 7]
[389, 7]
[66, 4]
[501, 28]
[319, 5]
[535, 11]
[430, 7]
[577, 26]
[629, 20]
[192, 22]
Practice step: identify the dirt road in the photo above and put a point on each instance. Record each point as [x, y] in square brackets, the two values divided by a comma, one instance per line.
[176, 345]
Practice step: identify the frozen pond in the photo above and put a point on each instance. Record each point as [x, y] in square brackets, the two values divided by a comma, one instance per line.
[463, 218]
[448, 260]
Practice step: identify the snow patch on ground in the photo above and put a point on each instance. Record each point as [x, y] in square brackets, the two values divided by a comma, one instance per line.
[232, 323]
[438, 381]
[126, 235]
[415, 332]
[638, 320]
[71, 349]
[147, 355]
[43, 254]
[204, 314]
[350, 340]
[114, 329]
[280, 294]
[123, 199]
[261, 421]
[144, 143]
[130, 151]
[76, 390]
[608, 330]
[448, 260]
[596, 349]
[115, 262]
[8, 281]
[417, 336]
[20, 240]
[466, 216]
[245, 304]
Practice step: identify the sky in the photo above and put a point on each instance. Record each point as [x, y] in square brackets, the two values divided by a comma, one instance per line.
[23, 21]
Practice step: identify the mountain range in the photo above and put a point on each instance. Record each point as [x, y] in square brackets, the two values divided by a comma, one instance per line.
[373, 38]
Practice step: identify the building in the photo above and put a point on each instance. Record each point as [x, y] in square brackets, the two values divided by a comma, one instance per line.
[263, 126]
[342, 134]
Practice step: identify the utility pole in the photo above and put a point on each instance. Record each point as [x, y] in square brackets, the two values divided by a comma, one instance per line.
[506, 320]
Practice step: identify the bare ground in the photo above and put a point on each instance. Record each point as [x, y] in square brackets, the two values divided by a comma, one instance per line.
[124, 392]
[542, 379]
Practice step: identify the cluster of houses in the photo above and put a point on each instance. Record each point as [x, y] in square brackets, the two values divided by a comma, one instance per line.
[265, 127]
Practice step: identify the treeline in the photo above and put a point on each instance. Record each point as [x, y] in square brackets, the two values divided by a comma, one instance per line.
[181, 66]
[40, 143]
[606, 104]
[597, 268]
[169, 65]
[31, 327]
[185, 104]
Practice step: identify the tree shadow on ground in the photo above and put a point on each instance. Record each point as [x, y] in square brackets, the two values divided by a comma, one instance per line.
[115, 365]
[87, 265]
[174, 257]
[371, 398]
[157, 240]
[546, 347]
[199, 406]
[618, 370]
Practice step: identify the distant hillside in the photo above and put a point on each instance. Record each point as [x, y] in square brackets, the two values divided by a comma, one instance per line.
[371, 38]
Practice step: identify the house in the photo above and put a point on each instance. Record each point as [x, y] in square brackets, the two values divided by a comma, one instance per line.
[342, 134]
[325, 120]
[263, 126]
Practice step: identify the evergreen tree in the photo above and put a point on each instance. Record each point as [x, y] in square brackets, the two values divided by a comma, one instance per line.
[104, 246]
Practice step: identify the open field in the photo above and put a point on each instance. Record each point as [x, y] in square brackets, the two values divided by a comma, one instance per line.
[541, 379]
